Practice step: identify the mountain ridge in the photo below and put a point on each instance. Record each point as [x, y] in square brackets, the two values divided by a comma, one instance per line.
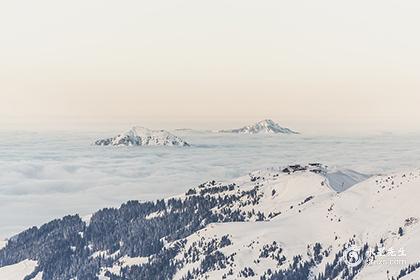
[141, 136]
[267, 126]
[279, 223]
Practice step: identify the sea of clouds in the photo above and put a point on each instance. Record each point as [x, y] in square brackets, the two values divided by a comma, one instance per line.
[48, 175]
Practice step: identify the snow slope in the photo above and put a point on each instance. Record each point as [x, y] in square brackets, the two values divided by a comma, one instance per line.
[280, 211]
[264, 126]
[291, 223]
[141, 136]
[368, 213]
[19, 271]
[340, 180]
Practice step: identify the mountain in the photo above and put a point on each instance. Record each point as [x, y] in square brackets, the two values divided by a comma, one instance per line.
[265, 126]
[280, 223]
[140, 136]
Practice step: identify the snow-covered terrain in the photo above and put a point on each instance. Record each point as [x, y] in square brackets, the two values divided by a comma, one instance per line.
[277, 223]
[381, 212]
[45, 175]
[19, 271]
[264, 126]
[141, 136]
[342, 179]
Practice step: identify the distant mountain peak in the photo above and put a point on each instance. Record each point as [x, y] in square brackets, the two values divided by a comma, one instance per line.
[142, 136]
[267, 121]
[265, 126]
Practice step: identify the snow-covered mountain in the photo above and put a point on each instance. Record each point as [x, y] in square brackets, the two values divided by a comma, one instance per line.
[280, 223]
[264, 126]
[141, 136]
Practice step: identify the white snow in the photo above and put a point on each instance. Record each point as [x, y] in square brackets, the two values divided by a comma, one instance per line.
[38, 276]
[122, 262]
[412, 276]
[154, 215]
[141, 136]
[370, 211]
[103, 254]
[86, 219]
[2, 243]
[309, 211]
[340, 180]
[264, 126]
[129, 261]
[18, 271]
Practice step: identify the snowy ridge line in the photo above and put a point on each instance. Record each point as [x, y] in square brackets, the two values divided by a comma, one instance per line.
[279, 223]
[141, 136]
[267, 126]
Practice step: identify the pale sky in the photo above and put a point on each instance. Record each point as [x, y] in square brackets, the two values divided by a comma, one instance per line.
[311, 65]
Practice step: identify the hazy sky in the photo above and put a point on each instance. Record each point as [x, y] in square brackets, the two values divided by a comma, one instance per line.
[313, 65]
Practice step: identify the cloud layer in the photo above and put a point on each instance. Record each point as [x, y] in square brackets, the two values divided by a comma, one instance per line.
[47, 176]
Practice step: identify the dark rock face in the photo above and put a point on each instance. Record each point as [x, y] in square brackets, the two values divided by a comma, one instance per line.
[104, 142]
